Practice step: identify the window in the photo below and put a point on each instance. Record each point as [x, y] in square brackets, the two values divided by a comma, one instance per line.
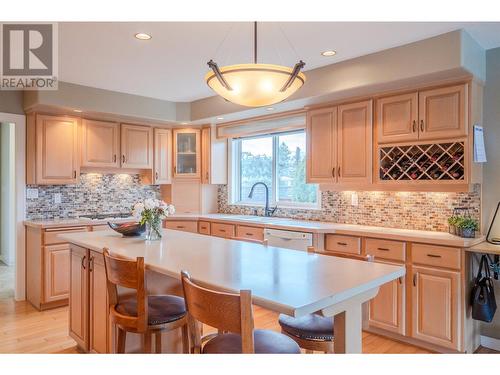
[279, 161]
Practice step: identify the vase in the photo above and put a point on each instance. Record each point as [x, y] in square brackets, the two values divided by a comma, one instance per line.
[468, 233]
[153, 231]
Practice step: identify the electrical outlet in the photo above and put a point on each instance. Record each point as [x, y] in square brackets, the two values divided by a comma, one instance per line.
[31, 193]
[354, 199]
[57, 198]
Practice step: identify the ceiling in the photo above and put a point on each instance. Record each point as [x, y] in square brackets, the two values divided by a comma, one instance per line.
[171, 65]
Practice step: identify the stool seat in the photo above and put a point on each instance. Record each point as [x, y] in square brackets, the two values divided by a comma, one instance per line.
[309, 327]
[161, 308]
[265, 342]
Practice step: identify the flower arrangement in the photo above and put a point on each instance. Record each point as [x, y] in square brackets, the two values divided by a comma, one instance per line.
[463, 226]
[151, 212]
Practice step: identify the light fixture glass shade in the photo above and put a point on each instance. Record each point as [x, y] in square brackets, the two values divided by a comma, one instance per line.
[255, 85]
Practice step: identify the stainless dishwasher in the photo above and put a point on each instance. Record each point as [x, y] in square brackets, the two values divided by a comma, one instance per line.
[288, 239]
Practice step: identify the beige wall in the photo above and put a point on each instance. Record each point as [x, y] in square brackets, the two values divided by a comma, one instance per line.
[11, 102]
[491, 171]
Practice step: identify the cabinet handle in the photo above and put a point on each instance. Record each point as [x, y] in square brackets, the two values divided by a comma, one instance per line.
[338, 171]
[414, 126]
[383, 249]
[341, 243]
[156, 175]
[434, 256]
[180, 227]
[249, 234]
[333, 172]
[175, 169]
[91, 264]
[421, 125]
[400, 280]
[114, 158]
[415, 279]
[74, 174]
[222, 230]
[123, 158]
[207, 176]
[83, 261]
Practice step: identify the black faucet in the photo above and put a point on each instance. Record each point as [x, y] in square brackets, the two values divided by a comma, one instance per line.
[267, 211]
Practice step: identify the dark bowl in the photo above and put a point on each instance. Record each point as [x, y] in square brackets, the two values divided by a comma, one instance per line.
[128, 229]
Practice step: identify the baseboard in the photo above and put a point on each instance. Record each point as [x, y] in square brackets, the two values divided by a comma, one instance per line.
[490, 342]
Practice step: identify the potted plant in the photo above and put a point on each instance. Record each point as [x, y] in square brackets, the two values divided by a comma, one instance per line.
[452, 224]
[468, 227]
[151, 213]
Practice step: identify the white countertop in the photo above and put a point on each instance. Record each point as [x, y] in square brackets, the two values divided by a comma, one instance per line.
[438, 238]
[292, 282]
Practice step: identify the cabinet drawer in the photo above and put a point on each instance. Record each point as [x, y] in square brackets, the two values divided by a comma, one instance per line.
[222, 230]
[204, 227]
[386, 249]
[250, 233]
[343, 244]
[51, 236]
[438, 256]
[186, 226]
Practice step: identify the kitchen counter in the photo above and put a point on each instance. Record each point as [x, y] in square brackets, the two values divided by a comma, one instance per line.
[437, 238]
[485, 248]
[286, 281]
[70, 222]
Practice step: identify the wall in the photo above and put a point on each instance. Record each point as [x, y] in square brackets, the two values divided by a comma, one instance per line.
[491, 171]
[407, 210]
[94, 193]
[7, 208]
[11, 102]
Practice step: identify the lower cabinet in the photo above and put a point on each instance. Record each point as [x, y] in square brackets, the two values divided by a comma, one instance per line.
[78, 305]
[387, 309]
[436, 306]
[99, 305]
[56, 283]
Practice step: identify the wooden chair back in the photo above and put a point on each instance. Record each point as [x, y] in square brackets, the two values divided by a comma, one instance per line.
[128, 274]
[228, 312]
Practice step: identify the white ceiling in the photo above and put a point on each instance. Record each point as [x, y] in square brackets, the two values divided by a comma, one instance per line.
[171, 65]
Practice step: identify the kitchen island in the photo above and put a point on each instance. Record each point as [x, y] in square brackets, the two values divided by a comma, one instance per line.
[287, 281]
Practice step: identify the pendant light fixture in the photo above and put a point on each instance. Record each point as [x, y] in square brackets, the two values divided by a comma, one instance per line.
[255, 85]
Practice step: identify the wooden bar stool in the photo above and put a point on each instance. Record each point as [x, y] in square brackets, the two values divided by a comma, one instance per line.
[232, 315]
[140, 313]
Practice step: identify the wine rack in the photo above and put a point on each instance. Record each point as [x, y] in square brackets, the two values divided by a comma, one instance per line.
[425, 162]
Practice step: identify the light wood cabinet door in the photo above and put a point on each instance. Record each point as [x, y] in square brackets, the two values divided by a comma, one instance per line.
[136, 146]
[397, 118]
[443, 112]
[99, 305]
[163, 157]
[100, 144]
[57, 156]
[387, 309]
[78, 297]
[436, 306]
[205, 155]
[187, 155]
[354, 143]
[56, 272]
[321, 145]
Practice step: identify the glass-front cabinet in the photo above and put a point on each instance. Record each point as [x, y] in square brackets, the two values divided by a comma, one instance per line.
[187, 153]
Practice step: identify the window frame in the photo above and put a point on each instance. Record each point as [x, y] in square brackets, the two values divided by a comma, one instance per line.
[234, 181]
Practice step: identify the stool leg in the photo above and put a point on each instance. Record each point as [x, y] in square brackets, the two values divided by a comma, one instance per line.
[122, 336]
[146, 342]
[185, 339]
[158, 342]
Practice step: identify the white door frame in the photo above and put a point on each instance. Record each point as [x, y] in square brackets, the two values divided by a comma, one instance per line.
[19, 122]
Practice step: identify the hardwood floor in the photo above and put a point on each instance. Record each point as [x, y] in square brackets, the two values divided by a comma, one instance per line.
[23, 329]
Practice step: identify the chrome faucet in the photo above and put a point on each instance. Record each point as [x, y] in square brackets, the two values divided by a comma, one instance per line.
[267, 211]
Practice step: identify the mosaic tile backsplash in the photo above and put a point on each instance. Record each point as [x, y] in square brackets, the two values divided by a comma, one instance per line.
[406, 210]
[102, 193]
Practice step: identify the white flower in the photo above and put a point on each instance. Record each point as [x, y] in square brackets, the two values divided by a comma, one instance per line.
[171, 209]
[138, 209]
[149, 204]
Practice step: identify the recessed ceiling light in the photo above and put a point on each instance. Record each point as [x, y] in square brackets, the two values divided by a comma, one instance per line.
[220, 118]
[143, 36]
[329, 53]
[184, 123]
[270, 108]
[77, 110]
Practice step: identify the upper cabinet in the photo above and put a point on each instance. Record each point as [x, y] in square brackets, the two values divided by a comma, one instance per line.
[137, 146]
[321, 145]
[213, 158]
[162, 156]
[52, 150]
[354, 143]
[100, 144]
[397, 118]
[339, 144]
[433, 114]
[443, 112]
[187, 155]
